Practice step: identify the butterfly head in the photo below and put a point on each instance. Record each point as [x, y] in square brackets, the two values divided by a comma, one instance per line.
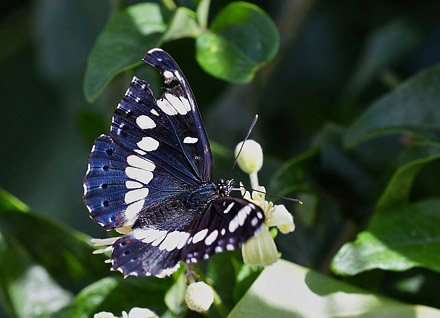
[224, 187]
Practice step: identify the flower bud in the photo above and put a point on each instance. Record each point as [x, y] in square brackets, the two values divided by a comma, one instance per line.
[199, 297]
[251, 156]
[260, 250]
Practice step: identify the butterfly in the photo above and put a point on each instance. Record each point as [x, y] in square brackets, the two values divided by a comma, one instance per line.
[153, 174]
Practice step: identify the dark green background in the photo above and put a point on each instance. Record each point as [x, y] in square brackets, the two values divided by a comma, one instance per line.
[320, 82]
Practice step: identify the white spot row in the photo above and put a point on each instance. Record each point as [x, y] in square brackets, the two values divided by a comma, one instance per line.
[173, 105]
[239, 219]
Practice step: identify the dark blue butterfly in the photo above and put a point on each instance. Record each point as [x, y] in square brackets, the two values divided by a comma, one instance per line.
[153, 173]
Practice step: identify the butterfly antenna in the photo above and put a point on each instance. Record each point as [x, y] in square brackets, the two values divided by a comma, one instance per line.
[242, 145]
[271, 195]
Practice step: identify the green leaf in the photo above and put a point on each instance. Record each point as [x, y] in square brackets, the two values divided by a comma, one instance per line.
[26, 288]
[288, 290]
[398, 189]
[413, 108]
[175, 296]
[203, 12]
[116, 295]
[397, 239]
[121, 45]
[241, 39]
[64, 253]
[182, 24]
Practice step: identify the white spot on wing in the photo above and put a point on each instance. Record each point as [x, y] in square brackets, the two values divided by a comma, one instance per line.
[135, 195]
[254, 221]
[174, 240]
[148, 144]
[211, 237]
[141, 163]
[233, 224]
[200, 235]
[165, 106]
[145, 122]
[190, 140]
[141, 152]
[168, 271]
[154, 112]
[229, 247]
[132, 211]
[139, 174]
[168, 75]
[223, 231]
[176, 103]
[229, 207]
[133, 184]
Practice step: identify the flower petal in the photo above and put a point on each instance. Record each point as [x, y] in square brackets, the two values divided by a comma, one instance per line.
[260, 250]
[282, 219]
[137, 312]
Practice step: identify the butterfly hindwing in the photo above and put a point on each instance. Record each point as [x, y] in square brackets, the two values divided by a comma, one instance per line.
[223, 226]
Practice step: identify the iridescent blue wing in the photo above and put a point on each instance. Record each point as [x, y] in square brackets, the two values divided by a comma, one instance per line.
[223, 225]
[157, 149]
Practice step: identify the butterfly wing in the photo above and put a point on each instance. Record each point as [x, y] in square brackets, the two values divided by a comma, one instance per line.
[223, 225]
[157, 149]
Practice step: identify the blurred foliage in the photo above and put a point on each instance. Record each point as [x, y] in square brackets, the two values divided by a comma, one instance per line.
[348, 98]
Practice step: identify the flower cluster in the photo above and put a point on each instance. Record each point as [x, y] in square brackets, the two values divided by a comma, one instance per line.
[261, 249]
[135, 312]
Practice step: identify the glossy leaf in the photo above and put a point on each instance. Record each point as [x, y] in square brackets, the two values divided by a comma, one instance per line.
[288, 290]
[122, 44]
[26, 288]
[411, 108]
[241, 39]
[64, 253]
[182, 24]
[398, 189]
[396, 239]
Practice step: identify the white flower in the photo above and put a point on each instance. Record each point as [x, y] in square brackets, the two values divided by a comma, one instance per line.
[104, 314]
[199, 296]
[137, 312]
[261, 249]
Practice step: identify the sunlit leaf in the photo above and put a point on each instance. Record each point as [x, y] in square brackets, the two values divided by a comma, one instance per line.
[240, 40]
[182, 24]
[122, 44]
[286, 290]
[64, 253]
[26, 288]
[396, 239]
